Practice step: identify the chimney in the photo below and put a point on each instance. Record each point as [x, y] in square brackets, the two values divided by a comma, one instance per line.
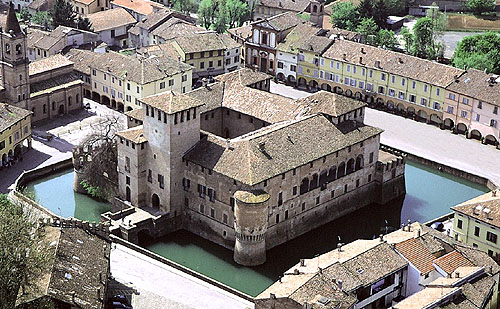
[339, 246]
[344, 56]
[339, 284]
[302, 263]
[377, 64]
[272, 296]
[361, 60]
[296, 271]
[381, 237]
[400, 60]
[228, 144]
[262, 146]
[494, 193]
[457, 274]
[409, 225]
[419, 231]
[363, 50]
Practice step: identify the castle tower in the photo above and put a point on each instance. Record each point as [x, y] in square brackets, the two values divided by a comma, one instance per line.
[317, 11]
[15, 72]
[171, 127]
[250, 225]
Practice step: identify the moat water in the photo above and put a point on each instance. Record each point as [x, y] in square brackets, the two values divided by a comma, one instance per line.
[430, 194]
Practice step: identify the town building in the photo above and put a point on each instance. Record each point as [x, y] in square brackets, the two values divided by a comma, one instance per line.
[141, 34]
[414, 267]
[42, 44]
[86, 7]
[260, 48]
[112, 26]
[472, 104]
[174, 28]
[140, 9]
[15, 132]
[120, 81]
[241, 35]
[244, 168]
[54, 88]
[476, 223]
[313, 9]
[78, 272]
[40, 6]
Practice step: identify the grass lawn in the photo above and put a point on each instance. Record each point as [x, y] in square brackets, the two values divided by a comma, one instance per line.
[462, 22]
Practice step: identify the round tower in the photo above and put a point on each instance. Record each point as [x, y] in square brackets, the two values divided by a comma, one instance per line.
[250, 225]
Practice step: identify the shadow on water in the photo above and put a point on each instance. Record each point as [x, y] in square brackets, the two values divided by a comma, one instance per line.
[217, 262]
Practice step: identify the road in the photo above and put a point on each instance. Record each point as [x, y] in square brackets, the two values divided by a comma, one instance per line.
[68, 131]
[160, 286]
[426, 141]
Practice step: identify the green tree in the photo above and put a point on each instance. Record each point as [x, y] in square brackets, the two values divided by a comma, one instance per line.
[365, 9]
[407, 38]
[24, 14]
[221, 20]
[396, 7]
[479, 7]
[206, 12]
[24, 256]
[387, 39]
[62, 14]
[424, 40]
[481, 51]
[381, 13]
[184, 6]
[42, 18]
[84, 23]
[438, 19]
[368, 28]
[345, 15]
[236, 11]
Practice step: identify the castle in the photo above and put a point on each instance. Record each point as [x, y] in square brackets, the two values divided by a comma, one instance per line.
[248, 169]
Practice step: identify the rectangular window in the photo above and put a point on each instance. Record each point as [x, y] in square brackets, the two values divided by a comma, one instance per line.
[186, 184]
[403, 81]
[150, 176]
[480, 105]
[459, 224]
[463, 114]
[371, 73]
[451, 96]
[280, 65]
[477, 231]
[224, 218]
[162, 85]
[425, 87]
[202, 190]
[382, 76]
[437, 106]
[437, 91]
[171, 82]
[338, 65]
[280, 198]
[363, 71]
[495, 110]
[211, 194]
[465, 101]
[202, 65]
[412, 98]
[293, 68]
[478, 117]
[413, 84]
[423, 101]
[361, 85]
[371, 158]
[450, 110]
[294, 190]
[348, 68]
[393, 79]
[491, 237]
[161, 181]
[202, 208]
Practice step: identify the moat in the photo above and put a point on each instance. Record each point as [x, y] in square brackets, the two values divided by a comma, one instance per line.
[429, 195]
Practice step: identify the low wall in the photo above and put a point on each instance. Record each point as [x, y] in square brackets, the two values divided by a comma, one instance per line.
[186, 270]
[450, 170]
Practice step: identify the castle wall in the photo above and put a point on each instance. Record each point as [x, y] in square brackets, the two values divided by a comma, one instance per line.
[229, 123]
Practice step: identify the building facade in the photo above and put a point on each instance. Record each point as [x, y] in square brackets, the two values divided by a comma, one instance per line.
[112, 26]
[164, 164]
[15, 133]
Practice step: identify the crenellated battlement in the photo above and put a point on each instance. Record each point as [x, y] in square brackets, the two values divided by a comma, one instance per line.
[101, 229]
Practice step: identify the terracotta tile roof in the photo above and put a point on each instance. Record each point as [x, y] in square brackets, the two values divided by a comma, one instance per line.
[290, 5]
[49, 63]
[288, 144]
[171, 102]
[135, 134]
[212, 95]
[175, 27]
[130, 67]
[86, 2]
[451, 261]
[316, 44]
[474, 83]
[476, 209]
[55, 83]
[74, 277]
[280, 22]
[478, 292]
[329, 103]
[82, 59]
[207, 41]
[244, 76]
[478, 258]
[34, 35]
[393, 62]
[375, 264]
[434, 246]
[416, 254]
[110, 19]
[243, 32]
[10, 115]
[41, 5]
[151, 21]
[143, 7]
[426, 297]
[350, 282]
[137, 113]
[160, 50]
[296, 37]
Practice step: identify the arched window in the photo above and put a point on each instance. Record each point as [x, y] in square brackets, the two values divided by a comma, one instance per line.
[332, 174]
[304, 186]
[77, 98]
[350, 166]
[7, 48]
[69, 101]
[341, 170]
[359, 162]
[18, 49]
[45, 108]
[314, 182]
[323, 179]
[315, 9]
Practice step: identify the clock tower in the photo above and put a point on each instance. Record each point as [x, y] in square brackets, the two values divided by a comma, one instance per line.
[14, 62]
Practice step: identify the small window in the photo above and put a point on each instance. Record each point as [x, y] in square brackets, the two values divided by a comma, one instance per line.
[477, 231]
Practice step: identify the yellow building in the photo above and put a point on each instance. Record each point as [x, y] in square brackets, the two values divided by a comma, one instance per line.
[120, 81]
[393, 80]
[477, 222]
[15, 129]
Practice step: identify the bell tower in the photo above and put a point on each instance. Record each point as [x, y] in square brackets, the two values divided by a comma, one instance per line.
[15, 63]
[316, 8]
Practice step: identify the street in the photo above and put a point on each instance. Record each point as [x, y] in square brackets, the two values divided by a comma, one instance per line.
[67, 131]
[160, 286]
